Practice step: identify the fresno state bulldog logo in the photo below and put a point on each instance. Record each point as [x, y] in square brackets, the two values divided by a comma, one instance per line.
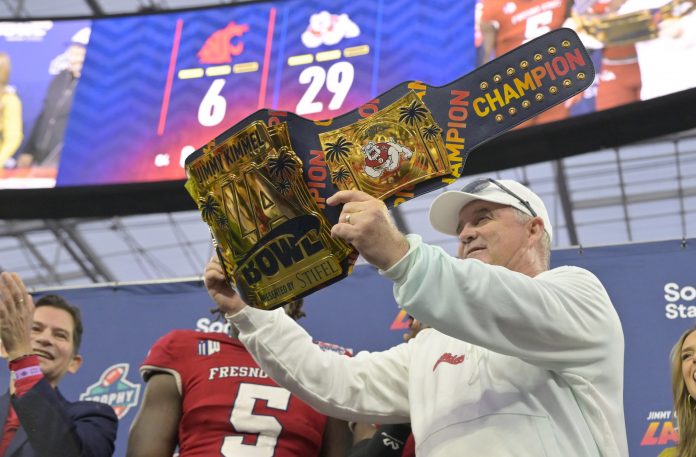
[384, 158]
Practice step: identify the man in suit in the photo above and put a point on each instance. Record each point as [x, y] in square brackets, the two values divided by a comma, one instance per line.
[41, 344]
[45, 142]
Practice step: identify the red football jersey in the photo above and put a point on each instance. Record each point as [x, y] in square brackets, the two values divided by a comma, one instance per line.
[409, 447]
[230, 406]
[519, 21]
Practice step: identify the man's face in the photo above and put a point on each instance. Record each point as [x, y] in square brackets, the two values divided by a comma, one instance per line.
[52, 340]
[493, 234]
[688, 357]
[76, 58]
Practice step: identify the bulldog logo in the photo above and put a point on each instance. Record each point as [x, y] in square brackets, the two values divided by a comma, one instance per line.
[384, 158]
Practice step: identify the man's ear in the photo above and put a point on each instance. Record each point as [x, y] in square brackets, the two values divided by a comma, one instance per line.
[75, 364]
[536, 228]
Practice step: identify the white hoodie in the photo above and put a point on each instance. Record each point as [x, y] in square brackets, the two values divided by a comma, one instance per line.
[518, 366]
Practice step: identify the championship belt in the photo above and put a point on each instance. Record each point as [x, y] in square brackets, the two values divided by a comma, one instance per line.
[261, 186]
[629, 28]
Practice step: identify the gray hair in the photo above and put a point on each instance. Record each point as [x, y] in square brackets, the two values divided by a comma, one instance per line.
[544, 243]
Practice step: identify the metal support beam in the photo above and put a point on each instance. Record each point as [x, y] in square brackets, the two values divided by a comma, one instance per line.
[684, 192]
[15, 228]
[566, 203]
[680, 189]
[86, 249]
[16, 7]
[624, 198]
[31, 247]
[86, 260]
[96, 8]
[151, 5]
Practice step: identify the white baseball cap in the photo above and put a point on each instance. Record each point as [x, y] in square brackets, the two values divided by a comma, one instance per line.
[444, 211]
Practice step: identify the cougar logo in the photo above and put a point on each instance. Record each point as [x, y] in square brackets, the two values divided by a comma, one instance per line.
[384, 158]
[219, 48]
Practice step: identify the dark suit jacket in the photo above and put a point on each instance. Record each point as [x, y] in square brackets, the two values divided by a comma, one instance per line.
[47, 134]
[51, 426]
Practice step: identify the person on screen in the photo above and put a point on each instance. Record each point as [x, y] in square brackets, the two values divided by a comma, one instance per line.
[507, 24]
[683, 358]
[206, 394]
[42, 344]
[45, 141]
[11, 133]
[521, 360]
[666, 62]
[618, 79]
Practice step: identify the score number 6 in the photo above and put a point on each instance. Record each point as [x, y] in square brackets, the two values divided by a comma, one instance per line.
[338, 78]
[213, 107]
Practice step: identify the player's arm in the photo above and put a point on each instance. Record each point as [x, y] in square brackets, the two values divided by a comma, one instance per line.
[337, 438]
[383, 441]
[155, 429]
[362, 431]
[489, 35]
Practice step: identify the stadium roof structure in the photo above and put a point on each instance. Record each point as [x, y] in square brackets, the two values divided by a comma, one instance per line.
[635, 193]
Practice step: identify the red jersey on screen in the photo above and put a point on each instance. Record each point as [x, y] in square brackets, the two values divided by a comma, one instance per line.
[229, 404]
[522, 20]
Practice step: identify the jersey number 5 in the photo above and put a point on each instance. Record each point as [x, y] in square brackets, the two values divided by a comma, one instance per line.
[244, 421]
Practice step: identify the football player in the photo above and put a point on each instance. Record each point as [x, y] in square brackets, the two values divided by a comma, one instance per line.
[206, 394]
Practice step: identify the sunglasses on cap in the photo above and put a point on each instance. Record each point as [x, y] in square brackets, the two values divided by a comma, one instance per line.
[477, 186]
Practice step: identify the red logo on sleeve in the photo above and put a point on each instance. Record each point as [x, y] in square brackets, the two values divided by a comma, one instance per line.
[449, 358]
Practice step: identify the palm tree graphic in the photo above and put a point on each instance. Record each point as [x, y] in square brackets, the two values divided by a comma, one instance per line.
[430, 132]
[283, 186]
[222, 222]
[216, 219]
[283, 166]
[413, 113]
[338, 152]
[340, 176]
[209, 208]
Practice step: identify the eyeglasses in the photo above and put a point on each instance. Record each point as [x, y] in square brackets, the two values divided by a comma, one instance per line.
[477, 186]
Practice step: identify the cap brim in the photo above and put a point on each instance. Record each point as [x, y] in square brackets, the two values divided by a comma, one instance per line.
[444, 211]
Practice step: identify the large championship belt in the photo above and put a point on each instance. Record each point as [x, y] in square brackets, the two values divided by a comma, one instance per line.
[620, 29]
[261, 185]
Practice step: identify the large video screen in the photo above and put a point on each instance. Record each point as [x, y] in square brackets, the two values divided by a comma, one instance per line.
[126, 99]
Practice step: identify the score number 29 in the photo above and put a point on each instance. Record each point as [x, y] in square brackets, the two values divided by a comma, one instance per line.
[338, 79]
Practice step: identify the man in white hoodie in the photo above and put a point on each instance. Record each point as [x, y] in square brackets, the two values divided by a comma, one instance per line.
[520, 361]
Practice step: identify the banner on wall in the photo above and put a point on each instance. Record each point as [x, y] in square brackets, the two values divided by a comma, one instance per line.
[652, 286]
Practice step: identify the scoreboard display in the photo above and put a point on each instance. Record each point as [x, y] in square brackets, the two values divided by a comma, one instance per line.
[155, 88]
[123, 100]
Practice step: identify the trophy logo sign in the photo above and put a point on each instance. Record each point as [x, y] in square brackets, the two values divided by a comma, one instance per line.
[261, 186]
